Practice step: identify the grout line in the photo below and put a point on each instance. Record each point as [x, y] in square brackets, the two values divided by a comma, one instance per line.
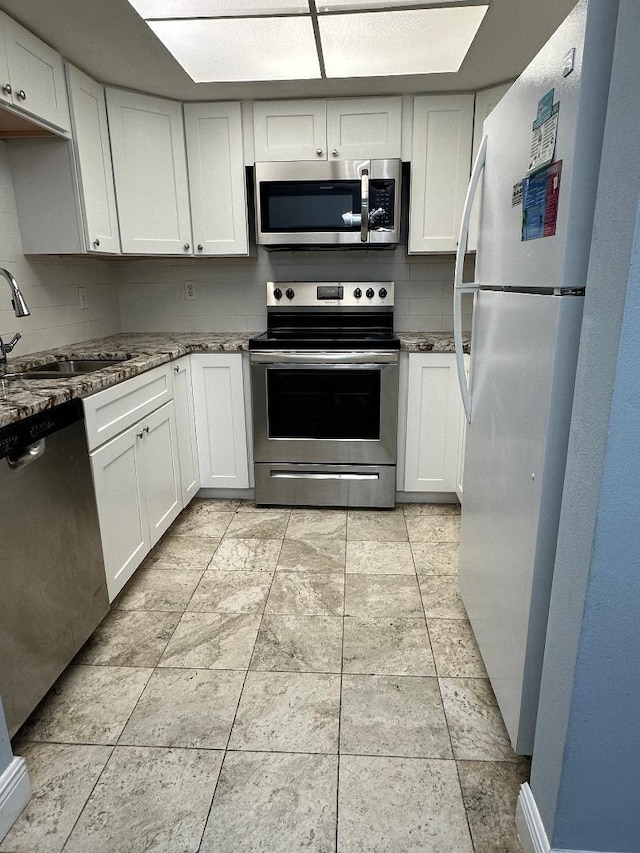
[90, 794]
[344, 612]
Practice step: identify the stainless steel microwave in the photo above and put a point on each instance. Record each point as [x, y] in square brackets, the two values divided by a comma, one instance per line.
[342, 203]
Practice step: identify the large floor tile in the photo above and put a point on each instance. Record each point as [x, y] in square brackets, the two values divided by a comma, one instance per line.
[148, 800]
[246, 555]
[307, 593]
[386, 558]
[382, 595]
[299, 644]
[88, 704]
[62, 777]
[383, 646]
[393, 715]
[231, 592]
[490, 792]
[317, 523]
[158, 590]
[182, 552]
[258, 525]
[129, 638]
[435, 558]
[380, 526]
[441, 597]
[406, 805]
[433, 528]
[200, 520]
[288, 712]
[420, 510]
[273, 803]
[455, 649]
[212, 641]
[476, 726]
[185, 708]
[312, 555]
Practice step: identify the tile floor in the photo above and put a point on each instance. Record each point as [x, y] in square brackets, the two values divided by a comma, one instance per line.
[277, 680]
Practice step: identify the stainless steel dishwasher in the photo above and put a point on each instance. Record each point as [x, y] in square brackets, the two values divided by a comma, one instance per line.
[53, 590]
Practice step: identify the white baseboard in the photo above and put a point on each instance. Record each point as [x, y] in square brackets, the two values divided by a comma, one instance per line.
[531, 831]
[15, 793]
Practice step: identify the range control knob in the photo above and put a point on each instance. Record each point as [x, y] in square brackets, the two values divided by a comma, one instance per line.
[357, 293]
[290, 293]
[370, 293]
[382, 292]
[277, 293]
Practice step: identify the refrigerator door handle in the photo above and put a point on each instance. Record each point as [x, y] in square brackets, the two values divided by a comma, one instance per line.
[458, 286]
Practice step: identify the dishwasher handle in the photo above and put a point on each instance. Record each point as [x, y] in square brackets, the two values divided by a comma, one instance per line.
[26, 455]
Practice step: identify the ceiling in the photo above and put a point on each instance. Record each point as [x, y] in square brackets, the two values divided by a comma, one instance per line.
[111, 43]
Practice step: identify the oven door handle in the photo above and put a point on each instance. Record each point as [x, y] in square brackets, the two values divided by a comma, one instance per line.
[314, 357]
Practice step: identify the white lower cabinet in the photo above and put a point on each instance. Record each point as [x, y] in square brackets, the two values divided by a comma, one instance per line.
[136, 478]
[221, 430]
[185, 428]
[433, 423]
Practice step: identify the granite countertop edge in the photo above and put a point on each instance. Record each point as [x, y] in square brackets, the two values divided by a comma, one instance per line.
[20, 399]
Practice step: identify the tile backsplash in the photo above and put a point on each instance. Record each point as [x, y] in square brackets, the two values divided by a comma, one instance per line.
[230, 293]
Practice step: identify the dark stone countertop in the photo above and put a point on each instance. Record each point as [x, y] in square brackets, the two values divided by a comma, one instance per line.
[432, 341]
[21, 398]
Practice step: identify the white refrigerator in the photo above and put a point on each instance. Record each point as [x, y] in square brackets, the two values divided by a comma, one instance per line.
[541, 156]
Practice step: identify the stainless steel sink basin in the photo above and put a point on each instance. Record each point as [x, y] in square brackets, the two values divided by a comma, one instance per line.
[69, 367]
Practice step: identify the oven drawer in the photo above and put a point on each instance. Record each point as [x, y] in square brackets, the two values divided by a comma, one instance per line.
[325, 485]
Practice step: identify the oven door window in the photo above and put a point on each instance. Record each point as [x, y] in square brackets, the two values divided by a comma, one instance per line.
[313, 206]
[323, 404]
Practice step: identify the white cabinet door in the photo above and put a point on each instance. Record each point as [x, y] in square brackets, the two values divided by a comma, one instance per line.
[290, 130]
[368, 128]
[124, 526]
[220, 420]
[433, 423]
[217, 178]
[161, 475]
[35, 75]
[440, 168]
[150, 170]
[185, 429]
[93, 155]
[485, 102]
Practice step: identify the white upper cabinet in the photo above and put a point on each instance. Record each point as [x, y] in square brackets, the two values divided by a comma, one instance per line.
[33, 76]
[485, 102]
[93, 155]
[364, 127]
[150, 170]
[344, 128]
[440, 168]
[217, 178]
[290, 130]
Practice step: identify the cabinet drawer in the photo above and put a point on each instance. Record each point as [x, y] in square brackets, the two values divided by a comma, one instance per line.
[110, 411]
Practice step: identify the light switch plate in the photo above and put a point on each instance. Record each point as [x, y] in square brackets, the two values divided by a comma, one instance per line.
[82, 298]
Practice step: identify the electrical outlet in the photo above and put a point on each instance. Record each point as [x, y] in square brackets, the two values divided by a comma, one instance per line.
[82, 297]
[190, 290]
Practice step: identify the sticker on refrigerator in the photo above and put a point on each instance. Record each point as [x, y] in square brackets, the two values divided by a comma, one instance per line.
[516, 194]
[541, 194]
[543, 141]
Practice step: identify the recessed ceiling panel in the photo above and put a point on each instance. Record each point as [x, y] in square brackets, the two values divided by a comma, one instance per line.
[414, 41]
[231, 49]
[153, 9]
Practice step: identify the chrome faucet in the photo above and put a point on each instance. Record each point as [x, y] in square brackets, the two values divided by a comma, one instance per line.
[20, 309]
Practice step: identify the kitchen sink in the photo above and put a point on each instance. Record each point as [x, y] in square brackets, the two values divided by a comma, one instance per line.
[68, 367]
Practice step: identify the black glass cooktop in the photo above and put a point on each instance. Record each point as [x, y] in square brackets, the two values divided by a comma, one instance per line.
[314, 330]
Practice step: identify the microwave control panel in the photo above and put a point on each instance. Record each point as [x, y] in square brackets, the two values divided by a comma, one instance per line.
[381, 203]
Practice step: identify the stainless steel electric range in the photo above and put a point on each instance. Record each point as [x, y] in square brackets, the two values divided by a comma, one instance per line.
[324, 381]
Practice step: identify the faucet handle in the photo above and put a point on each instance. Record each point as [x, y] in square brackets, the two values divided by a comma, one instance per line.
[8, 347]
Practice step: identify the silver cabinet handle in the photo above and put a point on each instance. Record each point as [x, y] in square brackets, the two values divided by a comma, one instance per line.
[177, 369]
[319, 152]
[140, 434]
[96, 242]
[146, 429]
[22, 95]
[334, 152]
[7, 88]
[200, 247]
[187, 246]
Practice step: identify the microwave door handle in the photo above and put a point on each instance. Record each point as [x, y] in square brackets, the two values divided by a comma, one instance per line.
[364, 206]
